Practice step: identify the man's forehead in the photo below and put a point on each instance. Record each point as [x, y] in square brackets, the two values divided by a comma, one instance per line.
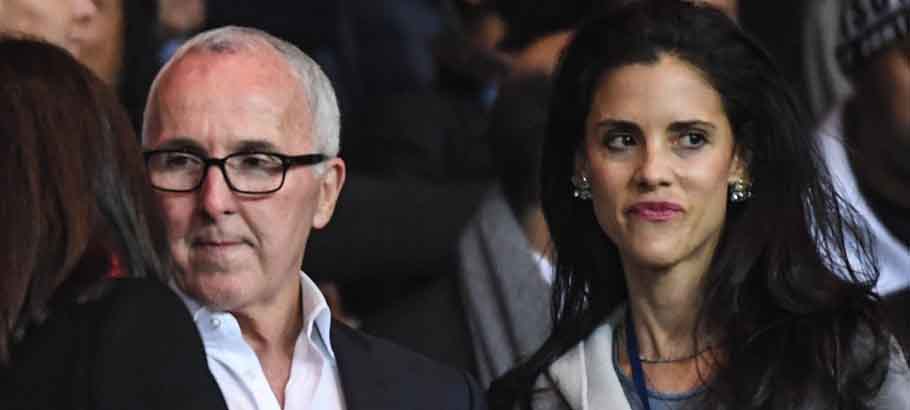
[252, 71]
[230, 144]
[234, 95]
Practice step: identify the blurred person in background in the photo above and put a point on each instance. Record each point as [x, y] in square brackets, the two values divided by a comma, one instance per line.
[505, 267]
[59, 22]
[77, 199]
[177, 20]
[181, 17]
[484, 310]
[865, 139]
[419, 155]
[536, 31]
[116, 39]
[826, 83]
[369, 49]
[475, 303]
[121, 45]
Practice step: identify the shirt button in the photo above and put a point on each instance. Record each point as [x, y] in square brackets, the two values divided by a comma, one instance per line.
[216, 323]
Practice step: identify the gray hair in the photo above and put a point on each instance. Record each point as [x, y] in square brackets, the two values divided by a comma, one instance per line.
[320, 96]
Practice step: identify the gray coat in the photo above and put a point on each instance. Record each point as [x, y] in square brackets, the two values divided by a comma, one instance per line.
[506, 300]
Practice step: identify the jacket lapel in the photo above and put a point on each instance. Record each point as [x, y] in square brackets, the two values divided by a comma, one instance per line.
[585, 375]
[362, 385]
[569, 375]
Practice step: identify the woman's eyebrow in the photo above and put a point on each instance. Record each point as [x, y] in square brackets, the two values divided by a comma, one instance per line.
[617, 125]
[689, 124]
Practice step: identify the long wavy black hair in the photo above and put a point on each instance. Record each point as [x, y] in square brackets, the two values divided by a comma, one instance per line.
[792, 311]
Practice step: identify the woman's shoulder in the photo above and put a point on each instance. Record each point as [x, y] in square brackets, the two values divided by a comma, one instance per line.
[147, 331]
[137, 293]
[105, 305]
[139, 311]
[127, 342]
[122, 303]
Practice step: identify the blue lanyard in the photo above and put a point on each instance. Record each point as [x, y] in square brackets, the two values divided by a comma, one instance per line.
[638, 375]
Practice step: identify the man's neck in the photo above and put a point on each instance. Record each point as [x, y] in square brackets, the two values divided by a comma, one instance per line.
[271, 330]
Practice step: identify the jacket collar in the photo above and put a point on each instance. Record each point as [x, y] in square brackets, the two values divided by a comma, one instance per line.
[361, 375]
[585, 376]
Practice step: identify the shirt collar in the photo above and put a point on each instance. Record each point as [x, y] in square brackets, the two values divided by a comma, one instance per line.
[314, 311]
[547, 272]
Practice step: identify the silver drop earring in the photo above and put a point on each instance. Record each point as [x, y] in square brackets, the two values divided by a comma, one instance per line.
[582, 187]
[740, 191]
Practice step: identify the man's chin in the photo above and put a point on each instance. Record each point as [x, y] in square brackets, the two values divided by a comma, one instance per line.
[219, 301]
[214, 294]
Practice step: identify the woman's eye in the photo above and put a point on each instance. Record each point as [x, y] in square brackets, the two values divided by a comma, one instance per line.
[619, 141]
[692, 140]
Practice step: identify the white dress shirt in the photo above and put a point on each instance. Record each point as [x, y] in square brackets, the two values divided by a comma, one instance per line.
[547, 271]
[313, 382]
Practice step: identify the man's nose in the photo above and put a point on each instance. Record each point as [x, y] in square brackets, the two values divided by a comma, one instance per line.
[215, 194]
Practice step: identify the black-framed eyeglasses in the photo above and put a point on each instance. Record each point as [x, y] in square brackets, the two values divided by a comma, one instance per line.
[244, 172]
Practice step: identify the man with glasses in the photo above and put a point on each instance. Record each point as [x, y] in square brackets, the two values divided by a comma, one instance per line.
[241, 138]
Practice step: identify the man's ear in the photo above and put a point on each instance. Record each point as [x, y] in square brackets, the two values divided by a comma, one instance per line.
[332, 180]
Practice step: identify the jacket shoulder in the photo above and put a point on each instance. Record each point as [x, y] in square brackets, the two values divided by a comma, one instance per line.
[378, 374]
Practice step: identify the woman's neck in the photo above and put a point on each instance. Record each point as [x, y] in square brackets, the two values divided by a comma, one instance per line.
[664, 304]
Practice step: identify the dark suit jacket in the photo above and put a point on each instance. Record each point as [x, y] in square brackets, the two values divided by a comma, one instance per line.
[135, 347]
[378, 375]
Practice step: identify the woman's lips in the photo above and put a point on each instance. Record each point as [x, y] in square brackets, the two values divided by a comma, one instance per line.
[655, 211]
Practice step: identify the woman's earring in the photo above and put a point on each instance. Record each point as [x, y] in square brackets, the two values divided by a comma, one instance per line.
[740, 191]
[582, 187]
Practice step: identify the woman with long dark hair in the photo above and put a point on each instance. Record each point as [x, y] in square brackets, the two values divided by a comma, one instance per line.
[76, 199]
[701, 253]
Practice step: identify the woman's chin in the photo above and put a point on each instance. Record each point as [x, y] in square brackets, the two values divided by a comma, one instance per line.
[651, 258]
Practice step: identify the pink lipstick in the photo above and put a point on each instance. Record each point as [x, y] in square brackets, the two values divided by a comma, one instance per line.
[655, 211]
